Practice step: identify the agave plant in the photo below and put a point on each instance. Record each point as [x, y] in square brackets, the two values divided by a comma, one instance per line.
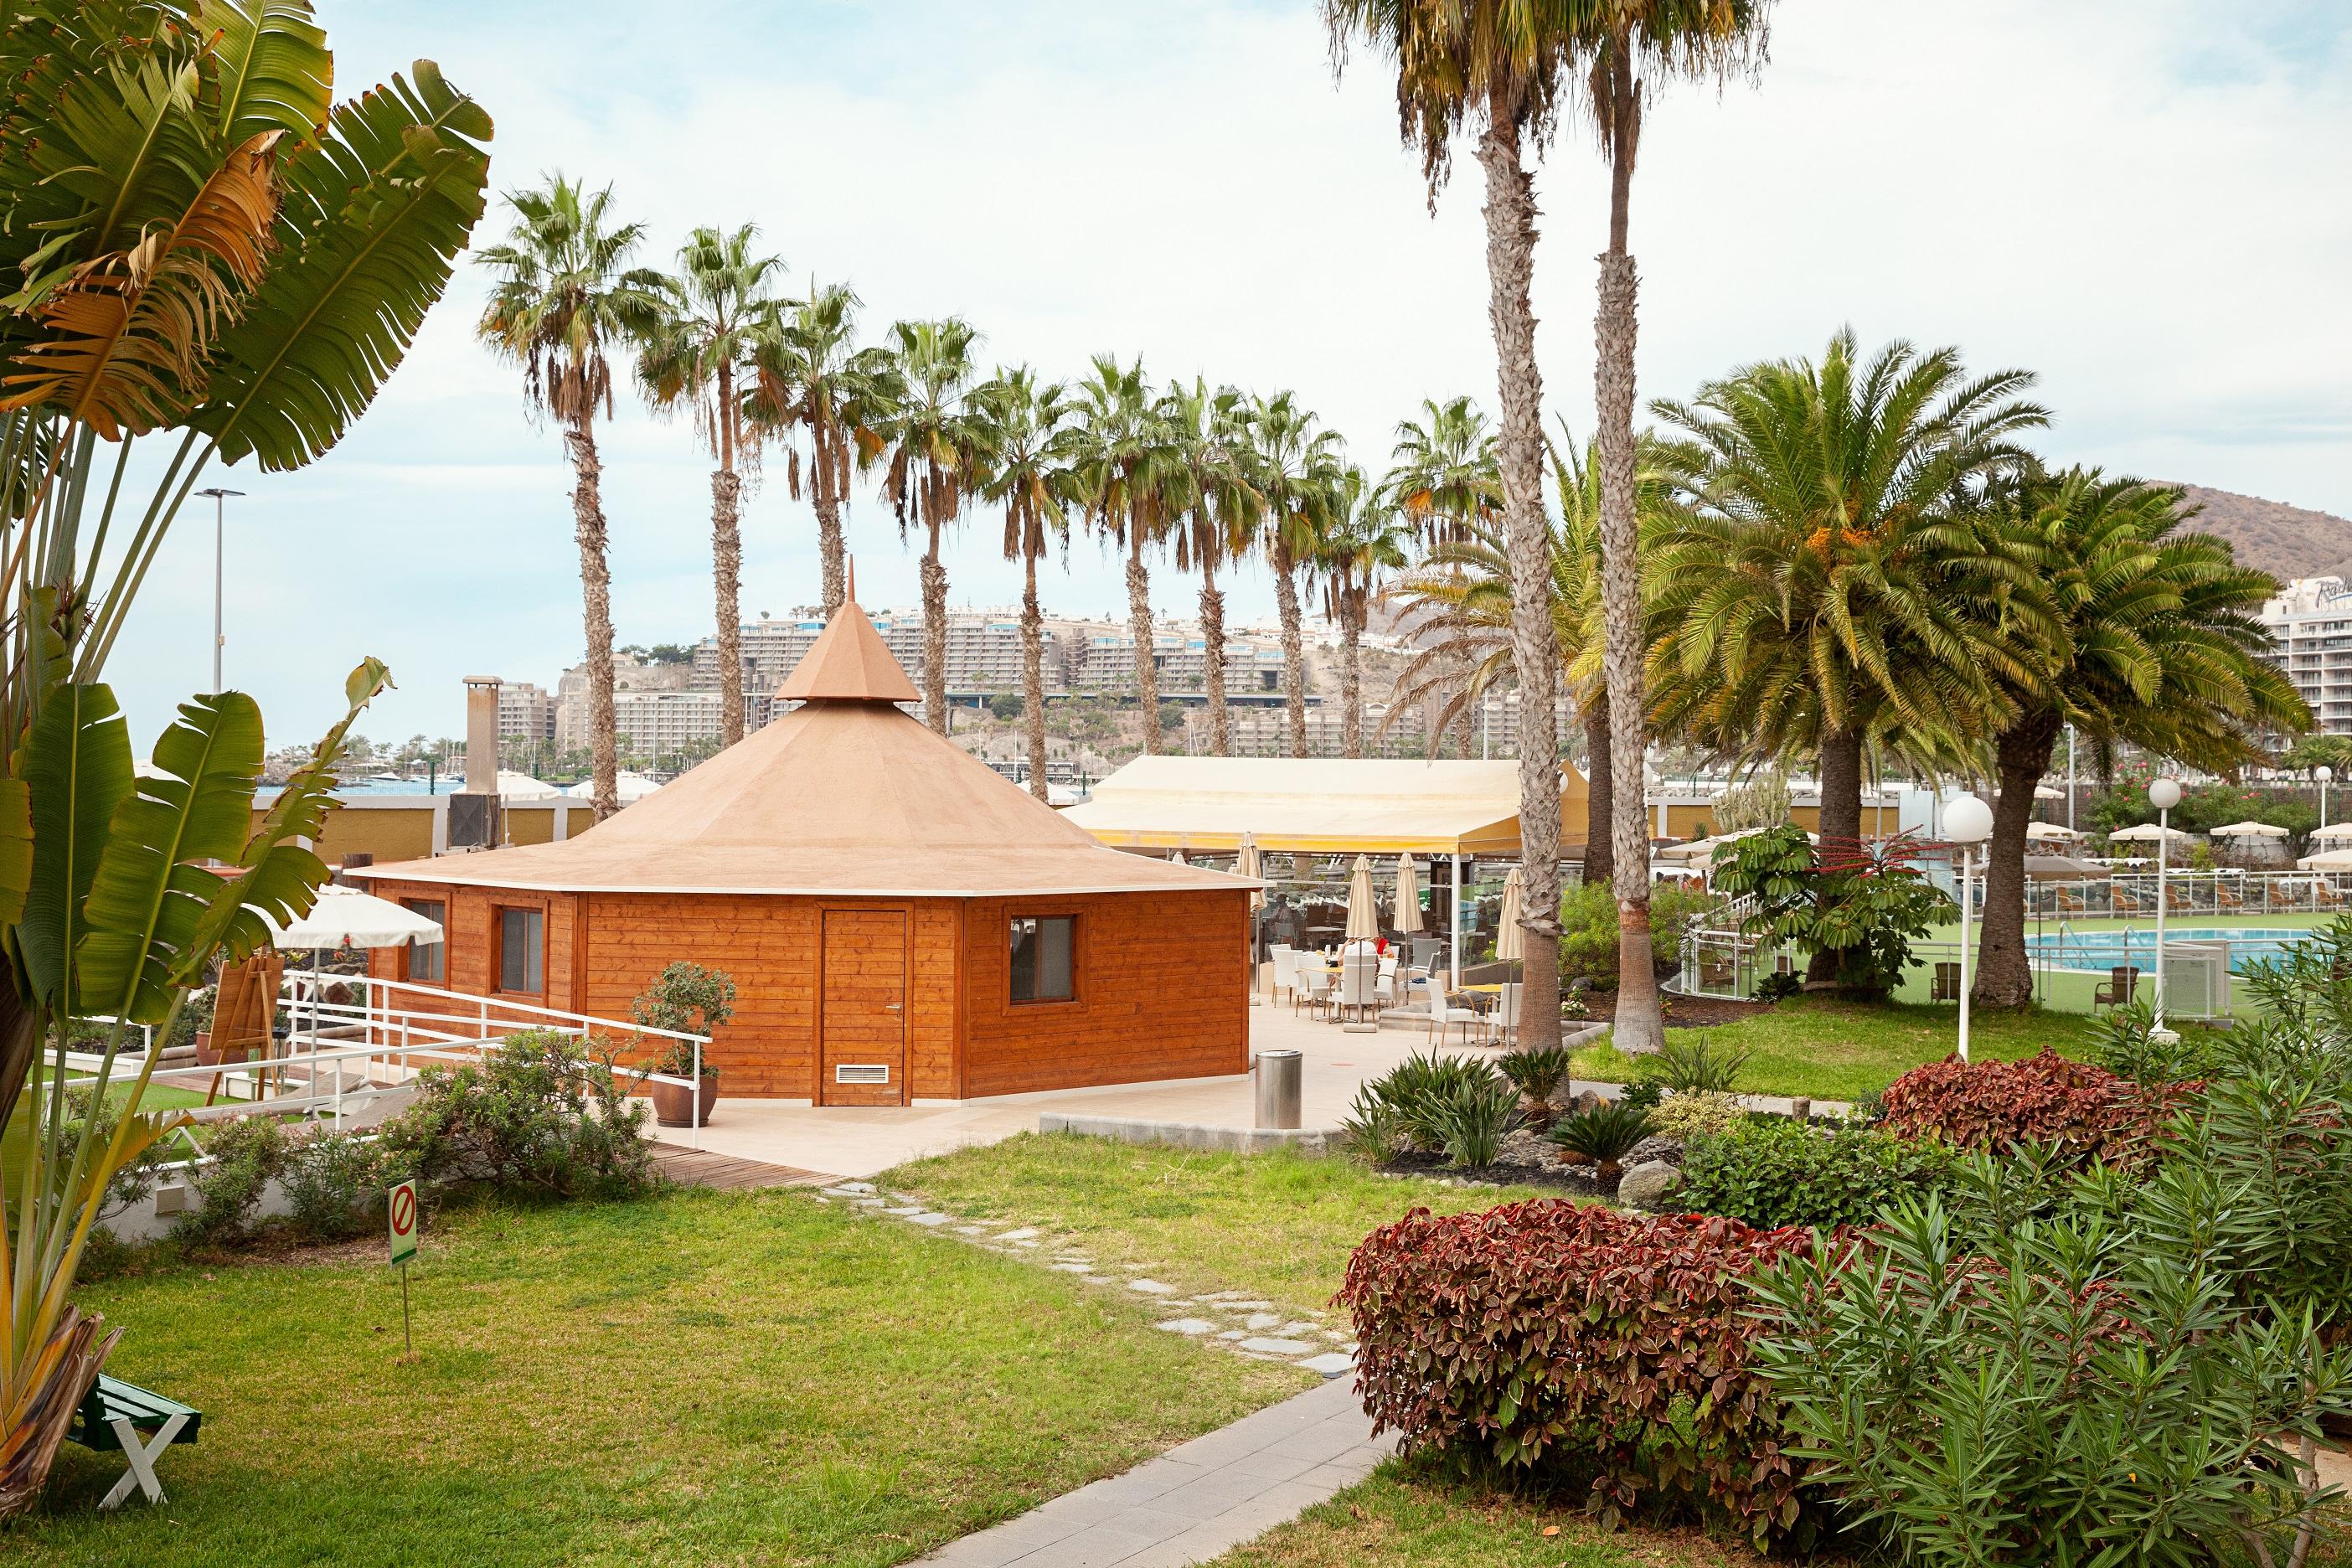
[204, 248]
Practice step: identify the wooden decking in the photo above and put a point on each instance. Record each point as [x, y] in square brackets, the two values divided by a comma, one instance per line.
[697, 1168]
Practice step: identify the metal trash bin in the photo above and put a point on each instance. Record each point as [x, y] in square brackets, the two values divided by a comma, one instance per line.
[1279, 1078]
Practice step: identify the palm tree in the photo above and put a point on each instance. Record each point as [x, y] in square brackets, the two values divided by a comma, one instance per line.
[2154, 641]
[1364, 539]
[1500, 65]
[816, 383]
[1458, 602]
[717, 314]
[1126, 467]
[1294, 469]
[925, 450]
[1629, 47]
[1444, 475]
[1027, 473]
[565, 300]
[1218, 517]
[1828, 590]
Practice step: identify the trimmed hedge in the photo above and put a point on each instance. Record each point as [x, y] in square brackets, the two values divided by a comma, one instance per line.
[1604, 1347]
[1769, 1171]
[2084, 1110]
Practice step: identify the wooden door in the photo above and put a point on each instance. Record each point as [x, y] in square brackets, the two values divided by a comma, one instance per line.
[863, 1055]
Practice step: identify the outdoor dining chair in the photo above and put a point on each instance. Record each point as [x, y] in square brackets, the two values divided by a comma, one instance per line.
[1315, 988]
[1443, 1016]
[1507, 1014]
[1286, 968]
[1358, 978]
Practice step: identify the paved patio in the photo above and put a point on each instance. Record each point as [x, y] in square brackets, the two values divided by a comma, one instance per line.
[859, 1140]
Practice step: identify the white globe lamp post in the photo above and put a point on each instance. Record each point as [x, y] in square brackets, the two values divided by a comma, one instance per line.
[2164, 795]
[1968, 822]
[2323, 773]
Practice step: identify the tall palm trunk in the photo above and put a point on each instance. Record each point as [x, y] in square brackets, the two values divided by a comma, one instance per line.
[1535, 650]
[1213, 658]
[832, 551]
[1840, 824]
[1640, 1021]
[1138, 625]
[935, 625]
[1352, 673]
[1293, 649]
[1032, 676]
[727, 566]
[1599, 797]
[2004, 975]
[596, 612]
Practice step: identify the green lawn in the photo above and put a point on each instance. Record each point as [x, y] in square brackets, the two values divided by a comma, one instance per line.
[1279, 1226]
[1407, 1517]
[695, 1378]
[1836, 1051]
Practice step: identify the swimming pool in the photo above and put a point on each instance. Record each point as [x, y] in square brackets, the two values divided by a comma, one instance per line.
[2103, 950]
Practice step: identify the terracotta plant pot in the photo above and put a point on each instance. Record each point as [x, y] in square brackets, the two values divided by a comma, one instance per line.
[674, 1105]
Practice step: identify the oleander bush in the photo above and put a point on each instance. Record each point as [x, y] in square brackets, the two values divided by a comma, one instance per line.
[1470, 1118]
[1771, 1171]
[2080, 1107]
[1575, 1345]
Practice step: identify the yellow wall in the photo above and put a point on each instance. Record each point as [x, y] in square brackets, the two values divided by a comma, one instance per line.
[1698, 821]
[536, 824]
[405, 833]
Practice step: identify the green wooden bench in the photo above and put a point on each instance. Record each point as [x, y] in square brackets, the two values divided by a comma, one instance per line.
[116, 1415]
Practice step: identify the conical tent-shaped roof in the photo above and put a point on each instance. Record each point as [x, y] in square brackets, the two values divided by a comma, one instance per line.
[847, 794]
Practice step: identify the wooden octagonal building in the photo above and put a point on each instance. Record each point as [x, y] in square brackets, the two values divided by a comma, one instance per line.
[902, 924]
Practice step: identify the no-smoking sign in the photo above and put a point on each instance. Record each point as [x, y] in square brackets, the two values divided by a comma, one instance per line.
[402, 1206]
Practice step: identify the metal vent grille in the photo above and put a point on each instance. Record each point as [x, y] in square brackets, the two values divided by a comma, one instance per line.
[858, 1072]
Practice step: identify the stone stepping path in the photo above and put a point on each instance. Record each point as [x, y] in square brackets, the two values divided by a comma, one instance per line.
[1233, 1320]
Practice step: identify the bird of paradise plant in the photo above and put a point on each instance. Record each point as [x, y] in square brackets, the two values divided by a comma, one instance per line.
[199, 241]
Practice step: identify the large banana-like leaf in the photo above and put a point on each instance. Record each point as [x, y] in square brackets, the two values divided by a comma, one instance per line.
[275, 70]
[277, 879]
[113, 146]
[149, 900]
[77, 764]
[373, 220]
[125, 338]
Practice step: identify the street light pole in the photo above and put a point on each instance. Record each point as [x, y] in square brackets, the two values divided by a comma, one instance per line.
[2323, 773]
[1968, 821]
[2163, 795]
[220, 502]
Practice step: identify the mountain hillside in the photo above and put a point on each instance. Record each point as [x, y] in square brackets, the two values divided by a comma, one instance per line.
[2287, 542]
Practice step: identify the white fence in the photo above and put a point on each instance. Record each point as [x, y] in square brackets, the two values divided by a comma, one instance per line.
[342, 1042]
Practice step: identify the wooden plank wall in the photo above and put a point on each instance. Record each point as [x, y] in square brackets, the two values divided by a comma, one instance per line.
[1162, 982]
[1163, 992]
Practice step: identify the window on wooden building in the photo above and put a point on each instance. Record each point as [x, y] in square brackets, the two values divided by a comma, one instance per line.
[425, 964]
[1042, 948]
[522, 941]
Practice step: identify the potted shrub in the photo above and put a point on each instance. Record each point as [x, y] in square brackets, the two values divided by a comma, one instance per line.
[692, 1000]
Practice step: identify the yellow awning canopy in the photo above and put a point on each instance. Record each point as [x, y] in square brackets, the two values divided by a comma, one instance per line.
[1321, 805]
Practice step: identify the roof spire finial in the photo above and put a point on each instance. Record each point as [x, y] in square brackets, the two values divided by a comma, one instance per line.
[851, 595]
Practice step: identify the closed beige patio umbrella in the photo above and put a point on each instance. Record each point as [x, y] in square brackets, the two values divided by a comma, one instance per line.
[1408, 896]
[1509, 946]
[1246, 864]
[1363, 910]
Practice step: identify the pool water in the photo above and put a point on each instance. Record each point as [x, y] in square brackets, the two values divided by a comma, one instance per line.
[2103, 950]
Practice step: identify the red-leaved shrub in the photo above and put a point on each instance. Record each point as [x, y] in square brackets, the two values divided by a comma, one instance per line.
[2084, 1109]
[1608, 1346]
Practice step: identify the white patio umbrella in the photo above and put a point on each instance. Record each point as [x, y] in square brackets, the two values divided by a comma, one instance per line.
[2247, 830]
[2334, 833]
[345, 917]
[2050, 832]
[2060, 868]
[1363, 910]
[1408, 896]
[630, 787]
[2148, 833]
[1509, 946]
[513, 786]
[2327, 860]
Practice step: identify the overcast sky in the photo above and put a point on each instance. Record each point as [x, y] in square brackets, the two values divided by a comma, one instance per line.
[2143, 200]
